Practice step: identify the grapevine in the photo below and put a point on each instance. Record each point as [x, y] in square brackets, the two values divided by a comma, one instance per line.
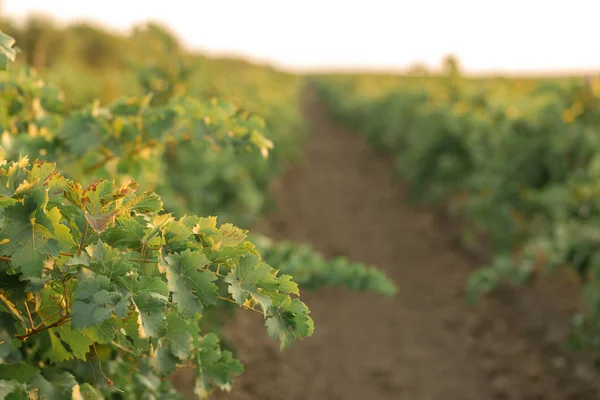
[516, 159]
[101, 267]
[102, 291]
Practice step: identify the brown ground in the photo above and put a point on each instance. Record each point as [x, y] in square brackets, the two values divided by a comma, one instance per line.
[424, 344]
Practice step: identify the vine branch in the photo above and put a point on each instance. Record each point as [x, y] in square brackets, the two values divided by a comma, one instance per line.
[85, 231]
[61, 321]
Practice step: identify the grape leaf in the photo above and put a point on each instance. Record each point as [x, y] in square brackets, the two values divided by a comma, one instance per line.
[30, 232]
[96, 301]
[17, 372]
[176, 345]
[107, 261]
[289, 321]
[205, 224]
[59, 351]
[215, 367]
[244, 280]
[129, 332]
[229, 235]
[150, 296]
[178, 235]
[86, 392]
[102, 202]
[7, 50]
[103, 333]
[82, 132]
[66, 343]
[159, 222]
[179, 336]
[226, 254]
[53, 384]
[128, 232]
[8, 387]
[12, 176]
[78, 342]
[146, 203]
[192, 289]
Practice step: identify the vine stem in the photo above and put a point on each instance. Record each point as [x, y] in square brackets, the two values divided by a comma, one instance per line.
[58, 323]
[216, 273]
[11, 307]
[122, 348]
[108, 156]
[234, 302]
[54, 314]
[108, 380]
[85, 231]
[29, 314]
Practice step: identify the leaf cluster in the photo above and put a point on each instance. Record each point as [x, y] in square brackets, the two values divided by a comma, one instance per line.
[101, 269]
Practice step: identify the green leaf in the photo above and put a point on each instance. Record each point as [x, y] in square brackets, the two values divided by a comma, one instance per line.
[244, 280]
[8, 387]
[192, 289]
[205, 224]
[227, 254]
[179, 235]
[103, 333]
[31, 234]
[59, 351]
[96, 301]
[22, 373]
[215, 367]
[128, 233]
[102, 202]
[289, 321]
[175, 347]
[150, 296]
[178, 337]
[12, 177]
[164, 362]
[7, 51]
[66, 343]
[146, 203]
[82, 132]
[107, 261]
[159, 222]
[76, 340]
[312, 271]
[229, 235]
[481, 282]
[129, 332]
[53, 385]
[79, 259]
[86, 392]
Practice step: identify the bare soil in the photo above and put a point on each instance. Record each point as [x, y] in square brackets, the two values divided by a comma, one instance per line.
[427, 343]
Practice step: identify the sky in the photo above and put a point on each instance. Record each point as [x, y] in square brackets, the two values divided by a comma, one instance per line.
[509, 36]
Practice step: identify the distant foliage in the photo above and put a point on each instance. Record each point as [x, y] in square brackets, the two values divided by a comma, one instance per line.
[519, 159]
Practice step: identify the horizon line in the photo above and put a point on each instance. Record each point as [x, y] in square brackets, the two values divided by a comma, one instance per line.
[319, 69]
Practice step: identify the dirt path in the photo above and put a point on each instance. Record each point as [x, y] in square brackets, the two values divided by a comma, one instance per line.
[424, 344]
